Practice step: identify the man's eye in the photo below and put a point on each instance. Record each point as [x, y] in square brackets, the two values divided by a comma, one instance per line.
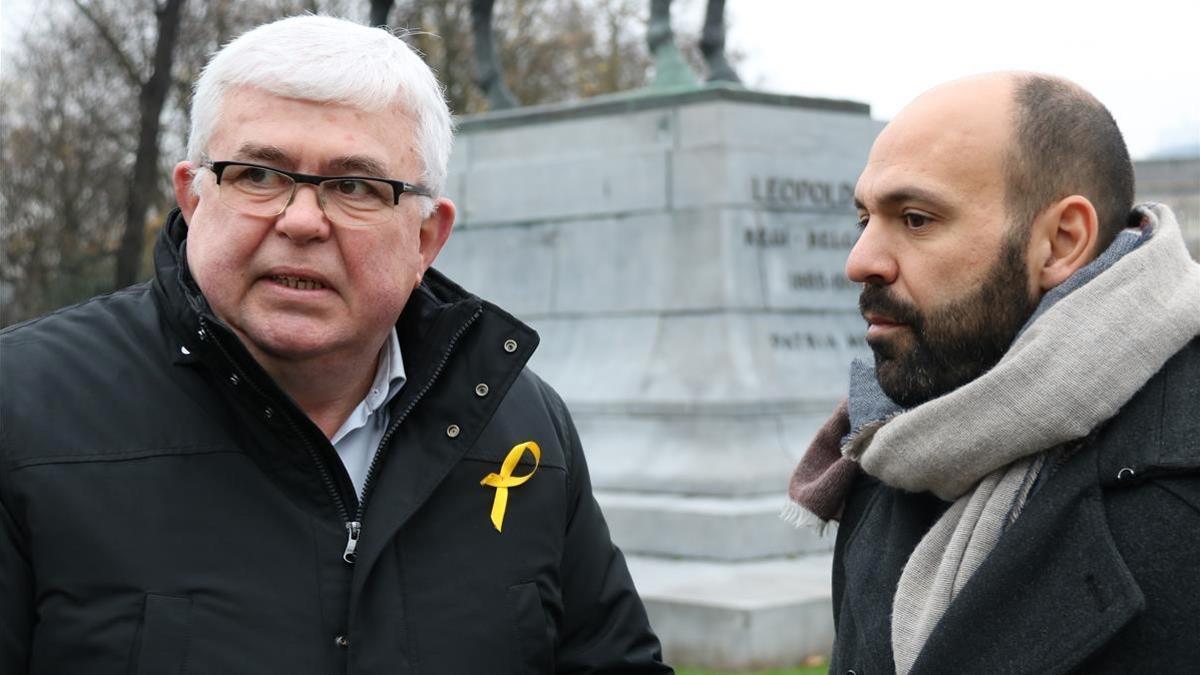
[357, 189]
[256, 177]
[915, 221]
[862, 221]
[352, 188]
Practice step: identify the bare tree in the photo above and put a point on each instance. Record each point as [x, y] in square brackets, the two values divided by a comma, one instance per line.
[550, 50]
[65, 162]
[152, 95]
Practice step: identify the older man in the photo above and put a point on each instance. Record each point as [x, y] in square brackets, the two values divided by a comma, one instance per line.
[299, 449]
[1017, 476]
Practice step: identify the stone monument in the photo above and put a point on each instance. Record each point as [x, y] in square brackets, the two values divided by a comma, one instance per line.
[680, 251]
[680, 254]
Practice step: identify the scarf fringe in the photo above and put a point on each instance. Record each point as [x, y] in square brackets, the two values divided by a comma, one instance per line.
[795, 514]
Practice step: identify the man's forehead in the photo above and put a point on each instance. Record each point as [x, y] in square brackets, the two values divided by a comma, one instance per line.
[359, 164]
[255, 125]
[950, 140]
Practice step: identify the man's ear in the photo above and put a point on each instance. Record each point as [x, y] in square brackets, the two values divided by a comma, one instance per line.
[182, 178]
[435, 230]
[1067, 233]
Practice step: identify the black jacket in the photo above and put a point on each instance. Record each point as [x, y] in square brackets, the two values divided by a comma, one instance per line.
[166, 508]
[1100, 574]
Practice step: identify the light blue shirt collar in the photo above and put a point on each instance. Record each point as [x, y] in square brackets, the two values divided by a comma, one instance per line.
[359, 436]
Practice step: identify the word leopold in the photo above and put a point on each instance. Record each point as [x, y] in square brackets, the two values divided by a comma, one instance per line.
[800, 192]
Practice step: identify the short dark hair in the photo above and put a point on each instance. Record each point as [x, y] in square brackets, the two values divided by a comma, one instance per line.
[1065, 143]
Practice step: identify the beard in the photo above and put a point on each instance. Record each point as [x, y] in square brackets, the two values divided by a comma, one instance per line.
[956, 342]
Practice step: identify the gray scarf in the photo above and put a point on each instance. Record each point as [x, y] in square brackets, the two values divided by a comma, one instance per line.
[1091, 344]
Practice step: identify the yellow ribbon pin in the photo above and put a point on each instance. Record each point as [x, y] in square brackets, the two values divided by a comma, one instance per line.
[504, 480]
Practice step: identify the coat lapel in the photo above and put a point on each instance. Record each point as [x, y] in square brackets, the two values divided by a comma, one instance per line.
[1053, 591]
[422, 452]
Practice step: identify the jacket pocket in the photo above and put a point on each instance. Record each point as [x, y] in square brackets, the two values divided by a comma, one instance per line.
[163, 638]
[533, 648]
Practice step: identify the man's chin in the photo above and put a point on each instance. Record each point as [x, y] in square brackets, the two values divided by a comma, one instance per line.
[887, 372]
[898, 380]
[288, 340]
[890, 346]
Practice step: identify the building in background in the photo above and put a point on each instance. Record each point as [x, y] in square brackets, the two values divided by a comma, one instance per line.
[1176, 183]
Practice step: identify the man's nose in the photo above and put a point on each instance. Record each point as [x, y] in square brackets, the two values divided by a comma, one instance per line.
[303, 218]
[872, 260]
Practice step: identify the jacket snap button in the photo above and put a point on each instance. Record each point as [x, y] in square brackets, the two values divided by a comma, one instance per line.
[184, 350]
[510, 346]
[1125, 474]
[453, 431]
[267, 413]
[233, 379]
[342, 641]
[481, 389]
[201, 334]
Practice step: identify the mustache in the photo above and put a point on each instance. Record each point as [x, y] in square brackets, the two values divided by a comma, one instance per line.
[877, 300]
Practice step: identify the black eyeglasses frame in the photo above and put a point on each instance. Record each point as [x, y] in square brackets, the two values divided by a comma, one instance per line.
[399, 187]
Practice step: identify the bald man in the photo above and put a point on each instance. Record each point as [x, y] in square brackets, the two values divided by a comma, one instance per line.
[1016, 476]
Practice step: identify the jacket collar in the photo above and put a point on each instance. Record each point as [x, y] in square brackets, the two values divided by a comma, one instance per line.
[176, 292]
[1167, 438]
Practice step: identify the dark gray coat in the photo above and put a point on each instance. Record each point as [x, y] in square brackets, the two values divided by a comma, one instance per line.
[1100, 574]
[166, 508]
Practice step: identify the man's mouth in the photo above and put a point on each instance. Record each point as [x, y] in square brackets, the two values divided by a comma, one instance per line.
[886, 315]
[880, 320]
[879, 326]
[298, 283]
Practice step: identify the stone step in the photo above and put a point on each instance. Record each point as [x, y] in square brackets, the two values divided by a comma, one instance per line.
[712, 528]
[738, 615]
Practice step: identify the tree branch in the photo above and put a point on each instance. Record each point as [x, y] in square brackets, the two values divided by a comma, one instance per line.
[105, 34]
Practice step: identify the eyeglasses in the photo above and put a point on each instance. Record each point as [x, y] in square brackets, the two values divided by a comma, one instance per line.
[355, 201]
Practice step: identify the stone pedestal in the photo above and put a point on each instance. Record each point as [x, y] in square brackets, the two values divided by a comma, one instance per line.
[681, 256]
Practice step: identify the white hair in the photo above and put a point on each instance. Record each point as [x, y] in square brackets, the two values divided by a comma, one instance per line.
[328, 60]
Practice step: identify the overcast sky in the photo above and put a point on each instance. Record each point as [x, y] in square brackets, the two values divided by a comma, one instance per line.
[1141, 58]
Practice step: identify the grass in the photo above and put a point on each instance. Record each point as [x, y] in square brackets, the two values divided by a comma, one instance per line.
[811, 670]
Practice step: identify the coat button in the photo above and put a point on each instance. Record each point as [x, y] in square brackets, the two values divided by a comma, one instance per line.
[268, 413]
[341, 641]
[233, 379]
[1125, 474]
[510, 346]
[453, 431]
[481, 390]
[184, 350]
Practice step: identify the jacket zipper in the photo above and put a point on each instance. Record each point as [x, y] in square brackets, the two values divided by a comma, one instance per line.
[326, 477]
[354, 527]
